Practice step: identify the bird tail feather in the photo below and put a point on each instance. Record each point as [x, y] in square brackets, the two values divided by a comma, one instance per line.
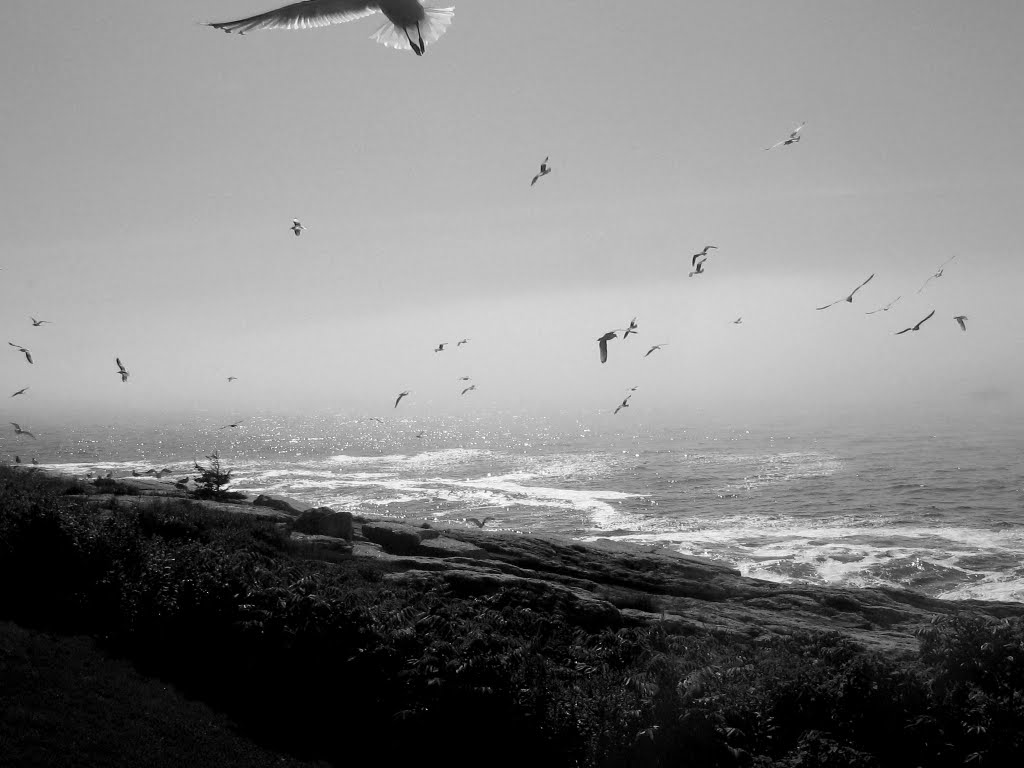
[432, 27]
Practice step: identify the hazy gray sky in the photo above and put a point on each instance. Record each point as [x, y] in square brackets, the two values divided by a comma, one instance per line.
[151, 168]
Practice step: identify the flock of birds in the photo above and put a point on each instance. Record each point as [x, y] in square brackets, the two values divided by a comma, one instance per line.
[405, 17]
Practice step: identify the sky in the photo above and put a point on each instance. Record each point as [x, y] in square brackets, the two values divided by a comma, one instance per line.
[151, 168]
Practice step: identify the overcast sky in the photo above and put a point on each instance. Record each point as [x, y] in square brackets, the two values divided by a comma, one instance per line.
[151, 168]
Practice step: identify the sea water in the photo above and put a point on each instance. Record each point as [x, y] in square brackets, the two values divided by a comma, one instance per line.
[940, 512]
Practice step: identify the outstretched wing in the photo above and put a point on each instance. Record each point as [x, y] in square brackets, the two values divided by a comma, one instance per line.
[303, 15]
[829, 305]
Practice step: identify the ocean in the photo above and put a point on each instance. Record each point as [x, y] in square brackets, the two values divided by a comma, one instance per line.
[940, 512]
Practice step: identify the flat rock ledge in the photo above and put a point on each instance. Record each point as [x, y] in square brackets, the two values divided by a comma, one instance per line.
[600, 583]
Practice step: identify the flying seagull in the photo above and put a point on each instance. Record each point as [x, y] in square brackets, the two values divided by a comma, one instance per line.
[545, 169]
[656, 346]
[886, 308]
[37, 323]
[630, 329]
[464, 341]
[937, 274]
[470, 388]
[699, 267]
[121, 370]
[703, 252]
[602, 343]
[850, 297]
[28, 355]
[959, 318]
[400, 396]
[296, 227]
[464, 378]
[793, 138]
[625, 404]
[19, 431]
[24, 389]
[402, 16]
[737, 321]
[918, 326]
[231, 378]
[236, 424]
[441, 346]
[479, 523]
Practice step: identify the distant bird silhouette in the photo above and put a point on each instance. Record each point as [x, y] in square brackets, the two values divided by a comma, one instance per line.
[231, 426]
[623, 404]
[793, 138]
[403, 16]
[631, 328]
[28, 355]
[464, 378]
[737, 321]
[232, 378]
[464, 341]
[702, 253]
[19, 431]
[602, 344]
[121, 370]
[37, 323]
[17, 459]
[918, 326]
[20, 392]
[544, 171]
[440, 347]
[959, 318]
[400, 396]
[938, 274]
[886, 308]
[699, 267]
[470, 388]
[656, 346]
[296, 227]
[850, 297]
[479, 523]
[420, 434]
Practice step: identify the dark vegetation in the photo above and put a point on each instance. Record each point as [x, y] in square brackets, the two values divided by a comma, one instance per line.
[326, 659]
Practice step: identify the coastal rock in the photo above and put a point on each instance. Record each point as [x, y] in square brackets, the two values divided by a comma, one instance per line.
[324, 521]
[314, 545]
[443, 546]
[397, 538]
[291, 507]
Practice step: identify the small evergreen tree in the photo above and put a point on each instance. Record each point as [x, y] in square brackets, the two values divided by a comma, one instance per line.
[212, 480]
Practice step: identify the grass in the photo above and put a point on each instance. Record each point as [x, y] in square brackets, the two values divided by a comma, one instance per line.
[224, 608]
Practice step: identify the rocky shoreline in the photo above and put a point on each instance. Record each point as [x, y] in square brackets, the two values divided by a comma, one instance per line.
[600, 583]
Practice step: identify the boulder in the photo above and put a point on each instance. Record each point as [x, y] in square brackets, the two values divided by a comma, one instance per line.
[283, 503]
[443, 546]
[397, 538]
[324, 521]
[318, 546]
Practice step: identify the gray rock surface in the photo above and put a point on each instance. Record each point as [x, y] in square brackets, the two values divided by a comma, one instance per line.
[325, 521]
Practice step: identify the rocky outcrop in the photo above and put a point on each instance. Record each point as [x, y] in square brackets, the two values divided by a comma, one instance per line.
[291, 507]
[324, 521]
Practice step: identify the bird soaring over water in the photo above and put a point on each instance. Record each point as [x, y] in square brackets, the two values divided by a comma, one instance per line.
[232, 426]
[19, 431]
[37, 323]
[918, 326]
[623, 404]
[656, 346]
[28, 355]
[602, 344]
[20, 392]
[793, 138]
[850, 297]
[959, 318]
[700, 253]
[403, 18]
[886, 308]
[121, 370]
[545, 169]
[296, 227]
[479, 523]
[470, 388]
[400, 396]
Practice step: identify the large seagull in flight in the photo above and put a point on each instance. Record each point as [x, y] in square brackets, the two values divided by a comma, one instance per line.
[403, 18]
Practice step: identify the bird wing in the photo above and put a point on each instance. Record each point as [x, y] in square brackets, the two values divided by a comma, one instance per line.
[904, 331]
[863, 284]
[302, 15]
[922, 322]
[829, 305]
[796, 131]
[960, 320]
[603, 344]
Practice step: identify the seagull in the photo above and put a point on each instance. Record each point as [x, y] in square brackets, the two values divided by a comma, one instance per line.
[625, 404]
[296, 227]
[19, 431]
[479, 523]
[545, 169]
[959, 318]
[375, 418]
[464, 378]
[918, 326]
[420, 434]
[703, 252]
[402, 15]
[937, 274]
[699, 267]
[737, 321]
[602, 343]
[122, 370]
[441, 346]
[24, 389]
[400, 396]
[37, 323]
[28, 355]
[656, 346]
[850, 297]
[470, 388]
[793, 138]
[231, 378]
[886, 308]
[237, 423]
[631, 329]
